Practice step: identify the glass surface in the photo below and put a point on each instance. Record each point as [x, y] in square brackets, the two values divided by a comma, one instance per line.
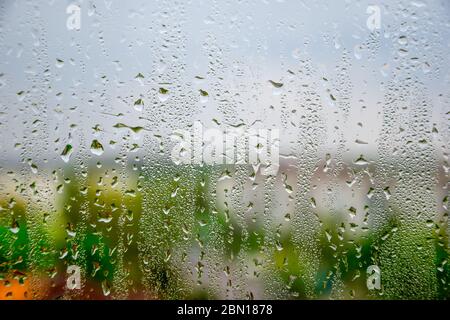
[224, 149]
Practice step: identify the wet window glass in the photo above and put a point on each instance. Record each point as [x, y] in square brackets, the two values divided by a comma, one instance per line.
[224, 149]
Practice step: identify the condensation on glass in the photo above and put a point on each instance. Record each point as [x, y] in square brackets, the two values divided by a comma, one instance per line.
[224, 149]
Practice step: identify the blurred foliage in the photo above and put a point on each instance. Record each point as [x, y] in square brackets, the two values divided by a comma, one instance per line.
[104, 230]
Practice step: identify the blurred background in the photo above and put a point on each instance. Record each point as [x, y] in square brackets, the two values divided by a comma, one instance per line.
[91, 92]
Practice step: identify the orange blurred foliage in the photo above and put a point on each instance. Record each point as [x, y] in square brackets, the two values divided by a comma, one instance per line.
[15, 289]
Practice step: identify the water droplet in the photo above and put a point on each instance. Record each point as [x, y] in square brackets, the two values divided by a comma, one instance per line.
[97, 148]
[276, 84]
[66, 153]
[59, 63]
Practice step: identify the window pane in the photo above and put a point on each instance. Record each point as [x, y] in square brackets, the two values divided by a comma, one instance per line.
[224, 149]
